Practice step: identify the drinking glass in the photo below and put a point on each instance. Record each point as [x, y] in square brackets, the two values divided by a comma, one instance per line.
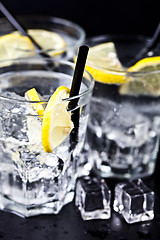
[123, 128]
[32, 181]
[72, 33]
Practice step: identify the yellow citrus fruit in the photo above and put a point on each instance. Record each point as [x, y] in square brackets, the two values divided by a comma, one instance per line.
[47, 40]
[57, 123]
[146, 80]
[146, 65]
[38, 102]
[103, 64]
[11, 44]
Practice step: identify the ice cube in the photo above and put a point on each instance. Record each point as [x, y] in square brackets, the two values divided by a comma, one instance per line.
[135, 201]
[93, 198]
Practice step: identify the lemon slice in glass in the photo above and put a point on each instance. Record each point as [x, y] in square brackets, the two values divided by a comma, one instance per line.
[38, 103]
[146, 65]
[57, 123]
[10, 45]
[103, 64]
[47, 40]
[145, 80]
[35, 107]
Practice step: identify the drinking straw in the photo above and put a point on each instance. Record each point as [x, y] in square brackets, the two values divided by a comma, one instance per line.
[23, 31]
[76, 83]
[79, 69]
[149, 47]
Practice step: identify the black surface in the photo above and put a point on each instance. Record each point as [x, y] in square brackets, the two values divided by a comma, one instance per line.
[68, 225]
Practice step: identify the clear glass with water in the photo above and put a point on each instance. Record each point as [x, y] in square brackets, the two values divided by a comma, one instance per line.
[123, 129]
[71, 32]
[34, 182]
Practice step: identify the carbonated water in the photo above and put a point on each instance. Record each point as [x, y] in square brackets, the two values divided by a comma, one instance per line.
[125, 130]
[32, 181]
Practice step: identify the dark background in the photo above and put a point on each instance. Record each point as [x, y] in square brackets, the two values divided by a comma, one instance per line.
[98, 16]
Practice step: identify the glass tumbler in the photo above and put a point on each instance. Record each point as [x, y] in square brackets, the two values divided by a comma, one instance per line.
[124, 124]
[33, 181]
[72, 34]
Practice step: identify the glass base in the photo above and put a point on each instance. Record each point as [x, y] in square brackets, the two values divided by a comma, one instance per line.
[124, 173]
[126, 165]
[53, 207]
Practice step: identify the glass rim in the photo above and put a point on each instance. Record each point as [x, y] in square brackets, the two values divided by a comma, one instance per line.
[56, 20]
[97, 39]
[37, 60]
[117, 35]
[118, 72]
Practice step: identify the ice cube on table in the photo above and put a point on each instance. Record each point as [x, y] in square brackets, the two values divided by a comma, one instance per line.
[93, 198]
[134, 200]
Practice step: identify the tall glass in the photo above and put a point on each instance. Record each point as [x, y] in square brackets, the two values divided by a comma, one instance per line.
[124, 126]
[72, 34]
[33, 181]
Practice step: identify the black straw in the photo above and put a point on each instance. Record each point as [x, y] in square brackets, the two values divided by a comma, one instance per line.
[149, 47]
[76, 83]
[22, 30]
[78, 73]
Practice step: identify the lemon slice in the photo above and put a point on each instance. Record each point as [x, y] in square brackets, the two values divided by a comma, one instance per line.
[11, 44]
[146, 82]
[47, 40]
[57, 122]
[34, 123]
[146, 65]
[38, 104]
[102, 62]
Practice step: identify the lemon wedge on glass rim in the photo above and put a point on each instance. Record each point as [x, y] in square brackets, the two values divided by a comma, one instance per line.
[144, 78]
[9, 45]
[57, 123]
[38, 103]
[56, 120]
[14, 45]
[47, 40]
[104, 65]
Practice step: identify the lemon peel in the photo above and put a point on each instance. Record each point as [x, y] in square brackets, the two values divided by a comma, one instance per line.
[146, 65]
[146, 81]
[103, 64]
[57, 123]
[10, 46]
[38, 103]
[47, 40]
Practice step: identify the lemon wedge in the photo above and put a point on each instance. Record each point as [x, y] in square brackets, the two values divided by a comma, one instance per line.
[34, 123]
[146, 82]
[14, 45]
[57, 123]
[11, 44]
[102, 63]
[38, 104]
[47, 40]
[146, 65]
